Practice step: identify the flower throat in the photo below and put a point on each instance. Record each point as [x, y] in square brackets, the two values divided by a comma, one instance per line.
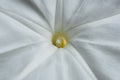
[59, 40]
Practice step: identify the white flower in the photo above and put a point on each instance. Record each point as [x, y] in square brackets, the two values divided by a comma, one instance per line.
[60, 40]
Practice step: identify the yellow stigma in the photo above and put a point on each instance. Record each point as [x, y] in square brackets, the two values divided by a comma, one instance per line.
[59, 40]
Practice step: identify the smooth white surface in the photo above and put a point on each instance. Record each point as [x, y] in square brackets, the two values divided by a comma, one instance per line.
[26, 51]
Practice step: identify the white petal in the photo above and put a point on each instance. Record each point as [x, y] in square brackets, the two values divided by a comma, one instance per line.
[66, 64]
[20, 47]
[70, 8]
[47, 9]
[59, 15]
[42, 54]
[28, 23]
[107, 26]
[92, 10]
[103, 60]
[64, 10]
[19, 63]
[26, 9]
[14, 35]
[83, 68]
[99, 44]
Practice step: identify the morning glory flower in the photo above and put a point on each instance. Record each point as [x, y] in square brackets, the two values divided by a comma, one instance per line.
[59, 40]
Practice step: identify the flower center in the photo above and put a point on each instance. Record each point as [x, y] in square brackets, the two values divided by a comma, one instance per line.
[59, 40]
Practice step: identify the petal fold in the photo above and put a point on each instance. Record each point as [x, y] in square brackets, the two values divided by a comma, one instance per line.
[99, 44]
[92, 10]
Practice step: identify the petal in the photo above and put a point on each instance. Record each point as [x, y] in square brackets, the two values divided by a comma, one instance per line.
[80, 64]
[18, 47]
[47, 9]
[92, 10]
[59, 15]
[12, 62]
[42, 54]
[64, 10]
[28, 23]
[99, 44]
[70, 8]
[15, 46]
[66, 64]
[19, 63]
[108, 26]
[14, 35]
[103, 60]
[26, 9]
